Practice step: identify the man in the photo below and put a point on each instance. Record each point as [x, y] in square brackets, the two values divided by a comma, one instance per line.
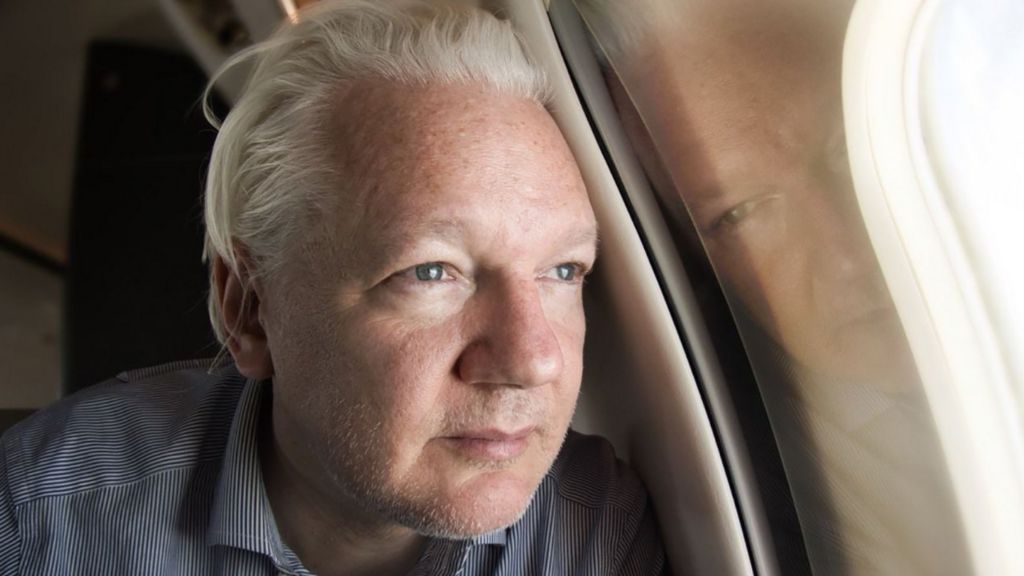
[398, 236]
[734, 108]
[744, 121]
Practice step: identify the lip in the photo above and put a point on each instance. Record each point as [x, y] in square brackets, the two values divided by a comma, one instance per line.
[869, 317]
[490, 444]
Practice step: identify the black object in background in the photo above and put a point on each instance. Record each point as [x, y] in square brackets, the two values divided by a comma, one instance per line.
[136, 286]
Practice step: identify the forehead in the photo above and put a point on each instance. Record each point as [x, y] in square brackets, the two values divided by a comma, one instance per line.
[751, 75]
[741, 88]
[448, 152]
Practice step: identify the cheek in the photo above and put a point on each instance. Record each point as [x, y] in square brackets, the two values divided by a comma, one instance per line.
[769, 278]
[405, 370]
[571, 334]
[571, 339]
[746, 271]
[563, 310]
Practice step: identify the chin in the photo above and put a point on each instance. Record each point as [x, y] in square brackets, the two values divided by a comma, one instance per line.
[460, 495]
[884, 365]
[489, 502]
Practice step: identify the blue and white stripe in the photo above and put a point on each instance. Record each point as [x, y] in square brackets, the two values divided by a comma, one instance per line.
[157, 472]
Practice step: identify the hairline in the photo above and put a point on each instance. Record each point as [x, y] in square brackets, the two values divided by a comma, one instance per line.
[309, 113]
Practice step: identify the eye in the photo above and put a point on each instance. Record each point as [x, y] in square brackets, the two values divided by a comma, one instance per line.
[430, 272]
[570, 272]
[735, 215]
[424, 275]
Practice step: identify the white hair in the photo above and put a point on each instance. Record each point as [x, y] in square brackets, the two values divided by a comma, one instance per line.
[270, 173]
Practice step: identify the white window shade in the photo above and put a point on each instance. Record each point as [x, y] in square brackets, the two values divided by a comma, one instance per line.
[972, 116]
[933, 96]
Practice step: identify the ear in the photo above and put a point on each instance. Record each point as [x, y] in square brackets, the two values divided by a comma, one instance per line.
[240, 319]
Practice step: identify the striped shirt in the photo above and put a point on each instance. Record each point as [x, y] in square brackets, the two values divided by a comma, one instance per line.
[157, 472]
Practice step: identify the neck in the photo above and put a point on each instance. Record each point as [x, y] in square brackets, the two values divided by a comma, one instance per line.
[331, 534]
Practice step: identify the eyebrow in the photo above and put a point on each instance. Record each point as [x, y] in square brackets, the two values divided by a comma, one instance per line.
[445, 229]
[588, 237]
[453, 230]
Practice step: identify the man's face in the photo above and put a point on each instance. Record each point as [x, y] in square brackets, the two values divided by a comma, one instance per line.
[427, 342]
[746, 118]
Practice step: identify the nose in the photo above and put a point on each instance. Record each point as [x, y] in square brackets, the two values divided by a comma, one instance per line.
[514, 344]
[842, 250]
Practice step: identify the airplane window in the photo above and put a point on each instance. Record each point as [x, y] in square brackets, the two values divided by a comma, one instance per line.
[734, 109]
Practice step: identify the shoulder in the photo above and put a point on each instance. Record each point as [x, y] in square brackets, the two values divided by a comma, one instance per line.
[587, 473]
[590, 515]
[123, 430]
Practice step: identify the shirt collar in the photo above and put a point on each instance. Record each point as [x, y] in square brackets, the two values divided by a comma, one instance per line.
[443, 556]
[497, 538]
[852, 406]
[241, 515]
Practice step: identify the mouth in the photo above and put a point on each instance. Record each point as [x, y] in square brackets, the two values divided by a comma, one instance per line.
[872, 317]
[490, 444]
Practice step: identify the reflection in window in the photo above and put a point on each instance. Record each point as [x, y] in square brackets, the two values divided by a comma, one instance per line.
[734, 109]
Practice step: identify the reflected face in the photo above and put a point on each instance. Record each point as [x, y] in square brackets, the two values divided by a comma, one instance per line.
[747, 121]
[427, 343]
